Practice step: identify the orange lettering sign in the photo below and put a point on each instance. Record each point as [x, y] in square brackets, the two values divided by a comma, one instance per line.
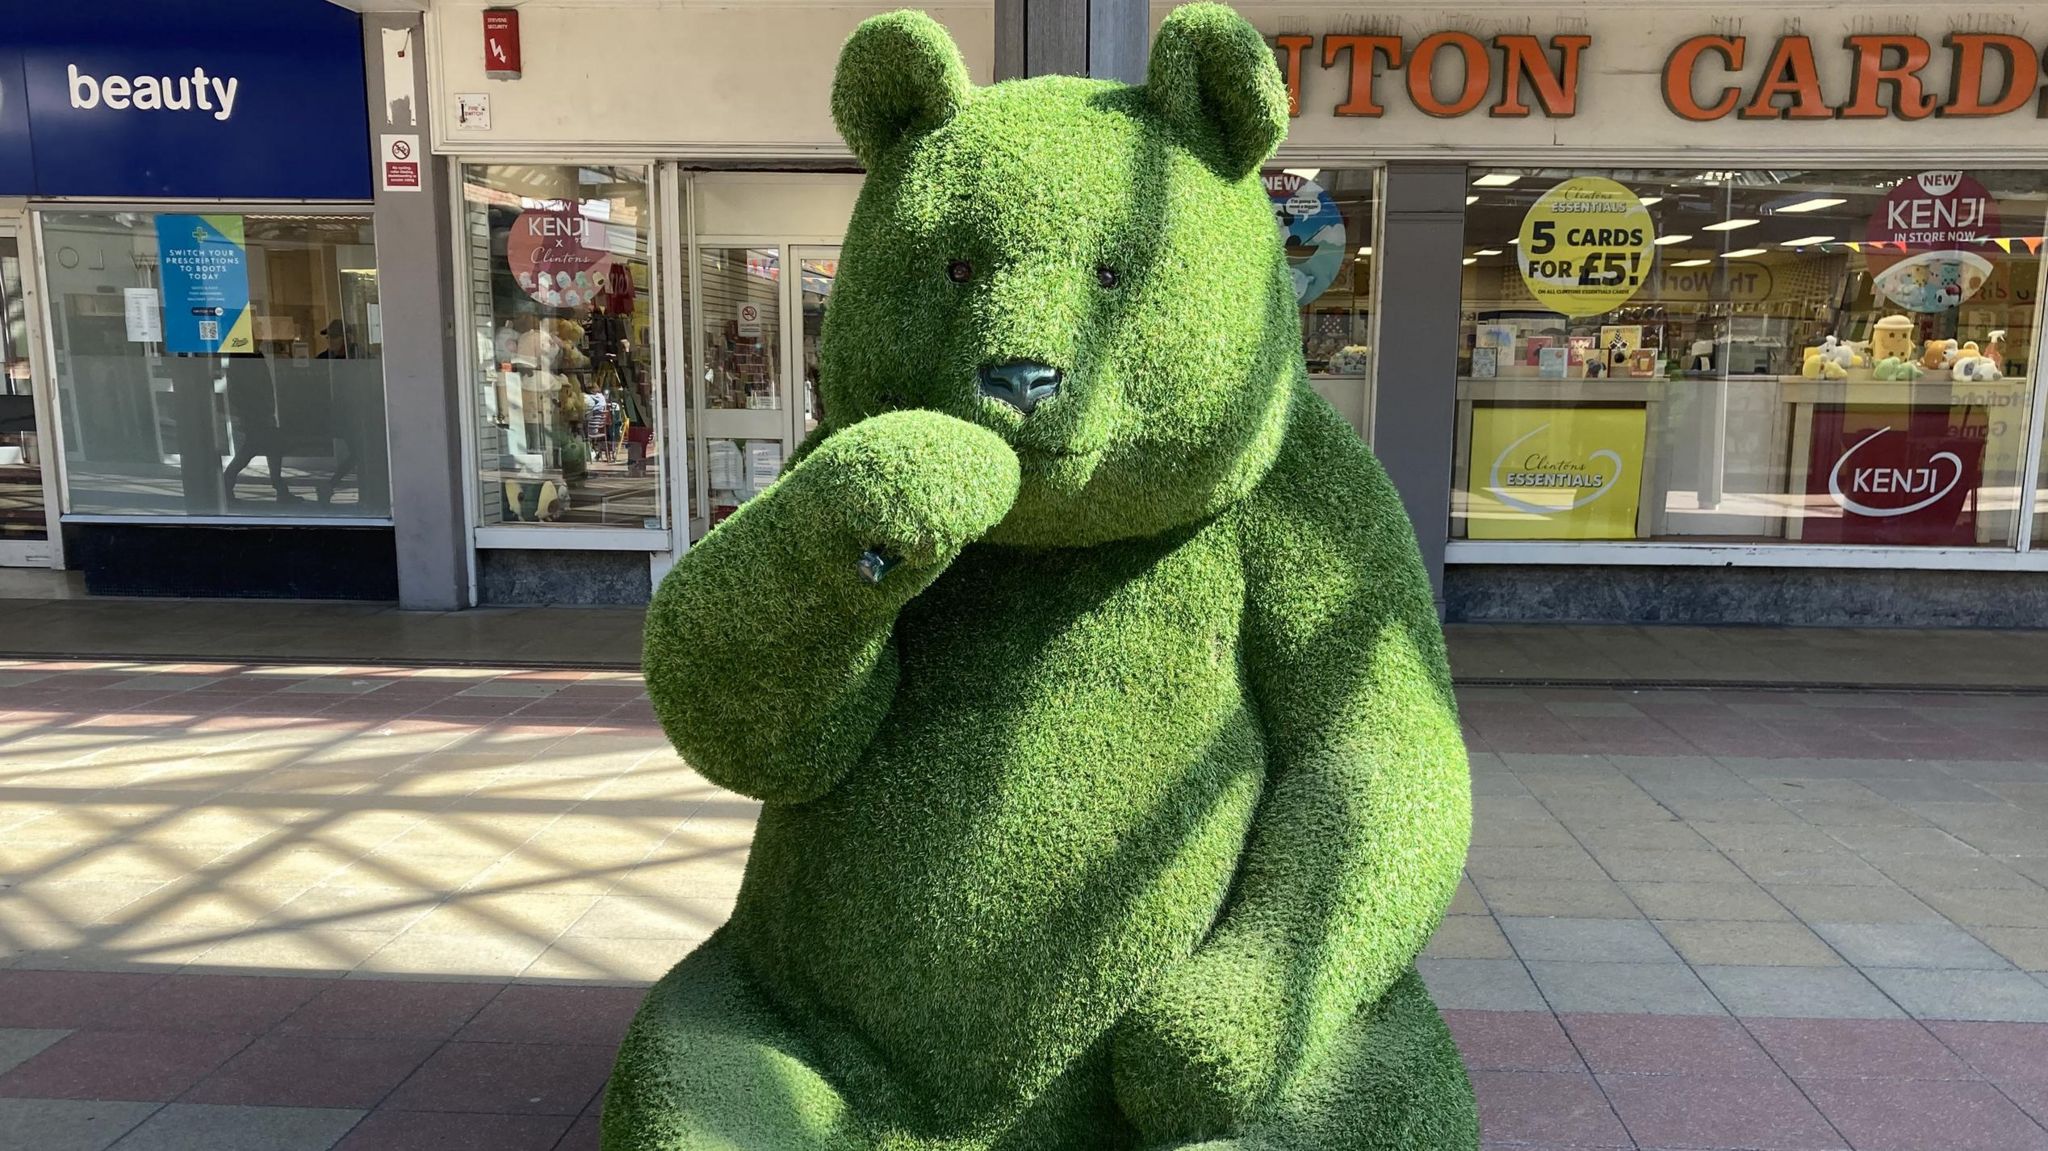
[1422, 74]
[1910, 100]
[1790, 73]
[1365, 52]
[1522, 57]
[1966, 81]
[1291, 48]
[1684, 62]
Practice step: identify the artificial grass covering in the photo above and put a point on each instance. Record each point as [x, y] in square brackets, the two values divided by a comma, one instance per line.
[1115, 813]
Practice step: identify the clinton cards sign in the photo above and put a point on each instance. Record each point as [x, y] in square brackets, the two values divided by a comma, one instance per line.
[241, 99]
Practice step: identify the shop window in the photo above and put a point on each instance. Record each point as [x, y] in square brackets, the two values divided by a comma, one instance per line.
[1326, 217]
[218, 364]
[568, 403]
[1817, 357]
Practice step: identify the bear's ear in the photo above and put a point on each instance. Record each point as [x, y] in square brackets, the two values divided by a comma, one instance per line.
[1211, 71]
[899, 74]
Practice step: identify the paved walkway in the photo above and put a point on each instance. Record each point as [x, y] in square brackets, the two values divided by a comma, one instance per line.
[299, 907]
[290, 631]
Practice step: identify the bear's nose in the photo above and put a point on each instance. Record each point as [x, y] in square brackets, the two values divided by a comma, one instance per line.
[1022, 384]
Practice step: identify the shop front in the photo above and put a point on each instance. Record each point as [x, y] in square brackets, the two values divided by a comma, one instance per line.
[1747, 312]
[1651, 316]
[193, 397]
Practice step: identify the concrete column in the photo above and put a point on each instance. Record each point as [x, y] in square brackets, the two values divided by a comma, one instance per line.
[1415, 344]
[415, 285]
[1106, 39]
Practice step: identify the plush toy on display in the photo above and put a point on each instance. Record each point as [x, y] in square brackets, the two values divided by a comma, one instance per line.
[1353, 360]
[1824, 362]
[1939, 355]
[1891, 338]
[1897, 368]
[1994, 349]
[1083, 662]
[1973, 366]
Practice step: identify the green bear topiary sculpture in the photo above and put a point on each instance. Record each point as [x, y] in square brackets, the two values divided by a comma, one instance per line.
[1083, 662]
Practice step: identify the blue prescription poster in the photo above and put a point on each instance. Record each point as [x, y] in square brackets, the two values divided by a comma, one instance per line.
[204, 262]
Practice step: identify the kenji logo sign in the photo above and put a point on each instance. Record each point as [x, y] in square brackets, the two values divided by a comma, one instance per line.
[1878, 489]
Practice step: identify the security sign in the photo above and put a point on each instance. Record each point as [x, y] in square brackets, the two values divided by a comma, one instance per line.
[1587, 246]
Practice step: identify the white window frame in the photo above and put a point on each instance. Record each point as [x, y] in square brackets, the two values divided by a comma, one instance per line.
[556, 537]
[2017, 556]
[46, 320]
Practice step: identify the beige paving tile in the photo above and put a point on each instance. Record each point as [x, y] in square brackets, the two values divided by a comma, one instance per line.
[628, 917]
[1706, 901]
[489, 957]
[537, 916]
[300, 950]
[2024, 947]
[596, 959]
[1751, 944]
[1468, 937]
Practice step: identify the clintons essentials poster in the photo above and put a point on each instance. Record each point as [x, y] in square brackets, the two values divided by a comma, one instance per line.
[1555, 473]
[204, 262]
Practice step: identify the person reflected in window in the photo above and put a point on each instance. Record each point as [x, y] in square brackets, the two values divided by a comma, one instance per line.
[348, 407]
[252, 412]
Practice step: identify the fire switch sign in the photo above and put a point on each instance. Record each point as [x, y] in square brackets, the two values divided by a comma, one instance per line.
[501, 43]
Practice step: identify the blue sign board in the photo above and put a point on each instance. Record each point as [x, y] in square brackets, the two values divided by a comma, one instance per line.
[230, 99]
[204, 262]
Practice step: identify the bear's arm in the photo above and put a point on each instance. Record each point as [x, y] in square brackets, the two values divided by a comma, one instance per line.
[769, 658]
[1360, 837]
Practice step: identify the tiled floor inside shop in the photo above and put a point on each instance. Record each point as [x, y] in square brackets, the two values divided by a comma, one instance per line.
[287, 908]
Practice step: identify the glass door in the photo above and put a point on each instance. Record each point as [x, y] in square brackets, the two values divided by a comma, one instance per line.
[760, 306]
[24, 469]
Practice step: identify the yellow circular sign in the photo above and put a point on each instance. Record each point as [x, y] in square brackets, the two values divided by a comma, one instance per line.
[1587, 246]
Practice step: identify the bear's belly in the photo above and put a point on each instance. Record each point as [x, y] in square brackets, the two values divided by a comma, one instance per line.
[1051, 815]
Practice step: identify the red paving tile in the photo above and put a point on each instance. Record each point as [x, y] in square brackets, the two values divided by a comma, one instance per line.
[249, 1004]
[65, 998]
[2016, 1052]
[1512, 1041]
[150, 1066]
[399, 1009]
[1857, 1049]
[1719, 1112]
[1530, 1106]
[390, 1130]
[507, 1079]
[1667, 1045]
[537, 1014]
[1913, 1115]
[313, 1071]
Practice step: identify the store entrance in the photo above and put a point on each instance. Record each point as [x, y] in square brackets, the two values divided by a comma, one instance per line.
[25, 464]
[760, 307]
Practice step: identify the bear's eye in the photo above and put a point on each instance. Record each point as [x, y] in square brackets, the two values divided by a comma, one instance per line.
[959, 271]
[1106, 276]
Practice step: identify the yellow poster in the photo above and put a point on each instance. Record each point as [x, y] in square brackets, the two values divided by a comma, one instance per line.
[1587, 246]
[1555, 473]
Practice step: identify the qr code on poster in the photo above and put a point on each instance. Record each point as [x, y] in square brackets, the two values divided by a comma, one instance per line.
[209, 331]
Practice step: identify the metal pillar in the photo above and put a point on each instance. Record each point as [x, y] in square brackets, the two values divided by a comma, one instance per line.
[415, 286]
[1415, 346]
[1105, 39]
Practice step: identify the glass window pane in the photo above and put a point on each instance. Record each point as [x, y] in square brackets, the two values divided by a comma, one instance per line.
[218, 364]
[1755, 357]
[1326, 220]
[21, 461]
[568, 409]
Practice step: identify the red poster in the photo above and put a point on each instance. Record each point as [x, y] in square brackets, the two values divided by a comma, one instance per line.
[1895, 475]
[501, 43]
[1932, 242]
[560, 257]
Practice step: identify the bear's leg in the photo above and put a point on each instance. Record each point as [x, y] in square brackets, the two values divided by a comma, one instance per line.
[1393, 1081]
[708, 1063]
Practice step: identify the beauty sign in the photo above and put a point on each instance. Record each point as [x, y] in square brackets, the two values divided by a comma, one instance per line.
[559, 256]
[204, 263]
[1587, 246]
[1931, 243]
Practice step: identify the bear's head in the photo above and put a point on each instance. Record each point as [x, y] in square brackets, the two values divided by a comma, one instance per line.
[1090, 270]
